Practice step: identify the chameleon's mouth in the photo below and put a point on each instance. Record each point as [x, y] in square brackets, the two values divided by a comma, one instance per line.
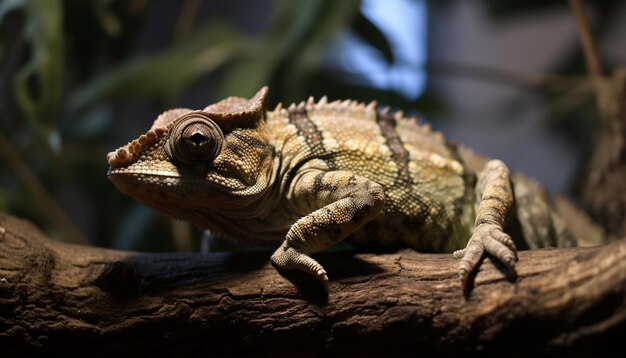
[150, 190]
[174, 194]
[124, 182]
[126, 179]
[135, 182]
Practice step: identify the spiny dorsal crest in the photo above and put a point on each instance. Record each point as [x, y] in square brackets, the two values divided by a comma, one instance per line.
[358, 110]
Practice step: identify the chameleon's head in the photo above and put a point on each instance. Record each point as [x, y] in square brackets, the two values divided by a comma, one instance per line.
[192, 161]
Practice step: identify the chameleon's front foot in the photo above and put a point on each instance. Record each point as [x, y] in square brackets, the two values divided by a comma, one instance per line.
[288, 258]
[487, 238]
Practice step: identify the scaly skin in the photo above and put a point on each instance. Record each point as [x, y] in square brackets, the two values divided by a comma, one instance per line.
[314, 174]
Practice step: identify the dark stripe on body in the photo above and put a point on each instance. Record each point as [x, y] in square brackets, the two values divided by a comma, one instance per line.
[299, 117]
[399, 154]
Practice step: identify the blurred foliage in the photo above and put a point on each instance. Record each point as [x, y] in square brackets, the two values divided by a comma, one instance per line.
[571, 112]
[178, 66]
[80, 78]
[37, 85]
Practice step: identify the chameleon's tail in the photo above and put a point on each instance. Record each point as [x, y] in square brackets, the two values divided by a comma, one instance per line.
[546, 220]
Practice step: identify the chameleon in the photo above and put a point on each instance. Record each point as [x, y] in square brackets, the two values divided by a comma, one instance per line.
[310, 175]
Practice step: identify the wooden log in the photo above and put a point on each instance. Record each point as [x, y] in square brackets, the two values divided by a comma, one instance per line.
[60, 298]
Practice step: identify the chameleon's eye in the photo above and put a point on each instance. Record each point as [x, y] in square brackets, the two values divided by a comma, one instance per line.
[195, 139]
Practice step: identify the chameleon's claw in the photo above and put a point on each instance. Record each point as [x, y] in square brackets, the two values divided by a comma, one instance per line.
[323, 278]
[487, 238]
[503, 238]
[288, 258]
[458, 254]
[470, 257]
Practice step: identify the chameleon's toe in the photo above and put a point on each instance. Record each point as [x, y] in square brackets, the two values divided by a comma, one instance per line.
[486, 238]
[500, 245]
[458, 254]
[288, 258]
[470, 257]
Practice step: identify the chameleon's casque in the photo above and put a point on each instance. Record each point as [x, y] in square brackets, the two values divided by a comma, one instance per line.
[313, 174]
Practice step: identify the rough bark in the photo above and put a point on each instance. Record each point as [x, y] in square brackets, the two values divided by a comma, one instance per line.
[604, 193]
[56, 297]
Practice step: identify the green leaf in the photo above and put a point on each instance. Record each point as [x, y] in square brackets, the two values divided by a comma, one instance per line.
[105, 16]
[369, 33]
[291, 49]
[165, 74]
[38, 84]
[334, 17]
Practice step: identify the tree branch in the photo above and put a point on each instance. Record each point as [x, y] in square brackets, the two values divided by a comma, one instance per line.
[594, 65]
[57, 297]
[604, 191]
[510, 78]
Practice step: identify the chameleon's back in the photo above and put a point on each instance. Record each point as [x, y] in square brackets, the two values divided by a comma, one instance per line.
[428, 193]
[429, 182]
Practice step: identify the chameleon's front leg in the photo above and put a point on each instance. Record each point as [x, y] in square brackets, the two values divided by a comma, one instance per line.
[340, 202]
[495, 201]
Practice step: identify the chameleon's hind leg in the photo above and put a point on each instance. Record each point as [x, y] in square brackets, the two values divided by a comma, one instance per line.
[495, 201]
[338, 203]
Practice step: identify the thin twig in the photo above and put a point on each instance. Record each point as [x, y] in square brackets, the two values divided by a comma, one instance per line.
[45, 201]
[594, 65]
[535, 81]
[186, 19]
[570, 101]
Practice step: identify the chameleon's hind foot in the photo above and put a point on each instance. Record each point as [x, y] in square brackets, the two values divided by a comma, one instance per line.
[288, 258]
[487, 238]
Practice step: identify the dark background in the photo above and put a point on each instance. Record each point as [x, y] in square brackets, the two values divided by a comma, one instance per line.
[81, 78]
